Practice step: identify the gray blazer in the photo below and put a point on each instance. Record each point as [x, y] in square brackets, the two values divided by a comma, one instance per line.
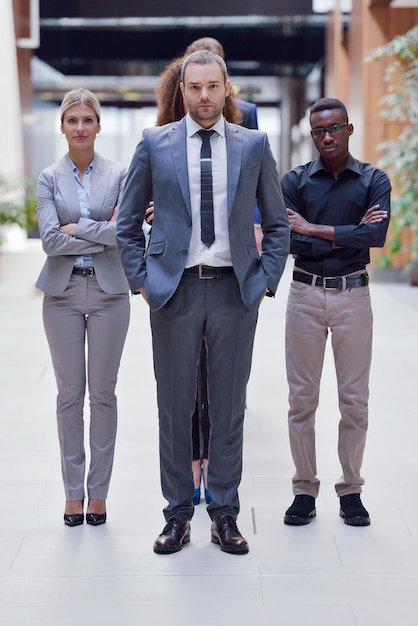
[58, 204]
[158, 171]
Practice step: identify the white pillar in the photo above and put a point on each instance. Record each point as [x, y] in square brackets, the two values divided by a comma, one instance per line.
[11, 144]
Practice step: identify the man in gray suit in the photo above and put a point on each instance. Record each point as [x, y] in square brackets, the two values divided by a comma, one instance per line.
[199, 290]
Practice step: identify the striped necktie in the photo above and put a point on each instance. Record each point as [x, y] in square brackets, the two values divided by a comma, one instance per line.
[206, 191]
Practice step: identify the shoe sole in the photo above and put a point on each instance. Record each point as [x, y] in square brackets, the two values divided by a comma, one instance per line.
[230, 549]
[295, 520]
[355, 521]
[171, 549]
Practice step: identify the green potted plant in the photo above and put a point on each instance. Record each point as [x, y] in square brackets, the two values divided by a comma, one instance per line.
[400, 157]
[18, 205]
[31, 213]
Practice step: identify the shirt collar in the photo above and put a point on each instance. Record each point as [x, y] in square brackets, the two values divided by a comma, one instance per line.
[351, 164]
[76, 170]
[193, 127]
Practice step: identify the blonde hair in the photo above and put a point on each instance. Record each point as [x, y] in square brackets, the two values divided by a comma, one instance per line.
[80, 96]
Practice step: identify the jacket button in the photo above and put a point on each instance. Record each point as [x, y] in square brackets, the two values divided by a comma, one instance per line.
[184, 251]
[189, 223]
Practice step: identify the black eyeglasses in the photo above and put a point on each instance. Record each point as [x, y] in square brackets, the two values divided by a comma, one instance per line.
[332, 130]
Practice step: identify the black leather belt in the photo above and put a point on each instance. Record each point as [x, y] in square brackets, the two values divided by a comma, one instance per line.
[207, 271]
[84, 271]
[332, 282]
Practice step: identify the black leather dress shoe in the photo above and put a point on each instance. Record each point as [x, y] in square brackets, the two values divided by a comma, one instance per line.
[76, 519]
[95, 519]
[225, 533]
[174, 535]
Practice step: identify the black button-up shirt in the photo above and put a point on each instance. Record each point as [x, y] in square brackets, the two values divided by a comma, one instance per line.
[312, 191]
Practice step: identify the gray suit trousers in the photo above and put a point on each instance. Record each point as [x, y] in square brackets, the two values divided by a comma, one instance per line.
[86, 314]
[210, 309]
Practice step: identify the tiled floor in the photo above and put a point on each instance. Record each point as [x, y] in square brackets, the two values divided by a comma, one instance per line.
[323, 574]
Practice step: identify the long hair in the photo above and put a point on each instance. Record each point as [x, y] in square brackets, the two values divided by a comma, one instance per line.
[168, 94]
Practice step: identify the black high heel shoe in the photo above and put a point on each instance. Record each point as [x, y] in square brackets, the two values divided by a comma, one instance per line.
[76, 519]
[95, 519]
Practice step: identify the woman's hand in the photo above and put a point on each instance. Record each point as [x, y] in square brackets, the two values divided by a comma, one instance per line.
[69, 229]
[149, 213]
[143, 293]
[115, 214]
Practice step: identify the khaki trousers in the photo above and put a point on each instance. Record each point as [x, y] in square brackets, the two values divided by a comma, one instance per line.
[313, 312]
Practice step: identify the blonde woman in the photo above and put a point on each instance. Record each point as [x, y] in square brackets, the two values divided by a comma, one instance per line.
[86, 302]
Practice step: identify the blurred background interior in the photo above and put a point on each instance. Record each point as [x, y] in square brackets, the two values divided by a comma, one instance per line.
[282, 55]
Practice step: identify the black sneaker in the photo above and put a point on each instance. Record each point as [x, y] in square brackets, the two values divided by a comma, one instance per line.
[353, 511]
[301, 512]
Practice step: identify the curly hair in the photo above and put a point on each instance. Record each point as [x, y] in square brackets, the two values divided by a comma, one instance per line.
[170, 100]
[206, 43]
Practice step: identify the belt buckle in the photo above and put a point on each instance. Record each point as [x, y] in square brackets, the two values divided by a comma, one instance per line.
[201, 276]
[324, 283]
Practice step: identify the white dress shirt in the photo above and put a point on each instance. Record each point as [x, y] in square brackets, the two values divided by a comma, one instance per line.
[218, 254]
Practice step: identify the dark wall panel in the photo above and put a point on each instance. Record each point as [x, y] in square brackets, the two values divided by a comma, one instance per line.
[75, 52]
[154, 8]
[273, 47]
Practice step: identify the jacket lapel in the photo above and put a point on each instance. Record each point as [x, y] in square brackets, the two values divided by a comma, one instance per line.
[234, 147]
[67, 190]
[99, 185]
[177, 139]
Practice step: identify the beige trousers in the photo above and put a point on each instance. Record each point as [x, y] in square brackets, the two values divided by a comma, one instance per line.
[313, 312]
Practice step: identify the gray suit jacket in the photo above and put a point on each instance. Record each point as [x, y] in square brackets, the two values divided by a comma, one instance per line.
[158, 171]
[58, 204]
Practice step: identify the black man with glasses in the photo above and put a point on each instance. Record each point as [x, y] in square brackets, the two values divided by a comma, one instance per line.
[339, 208]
